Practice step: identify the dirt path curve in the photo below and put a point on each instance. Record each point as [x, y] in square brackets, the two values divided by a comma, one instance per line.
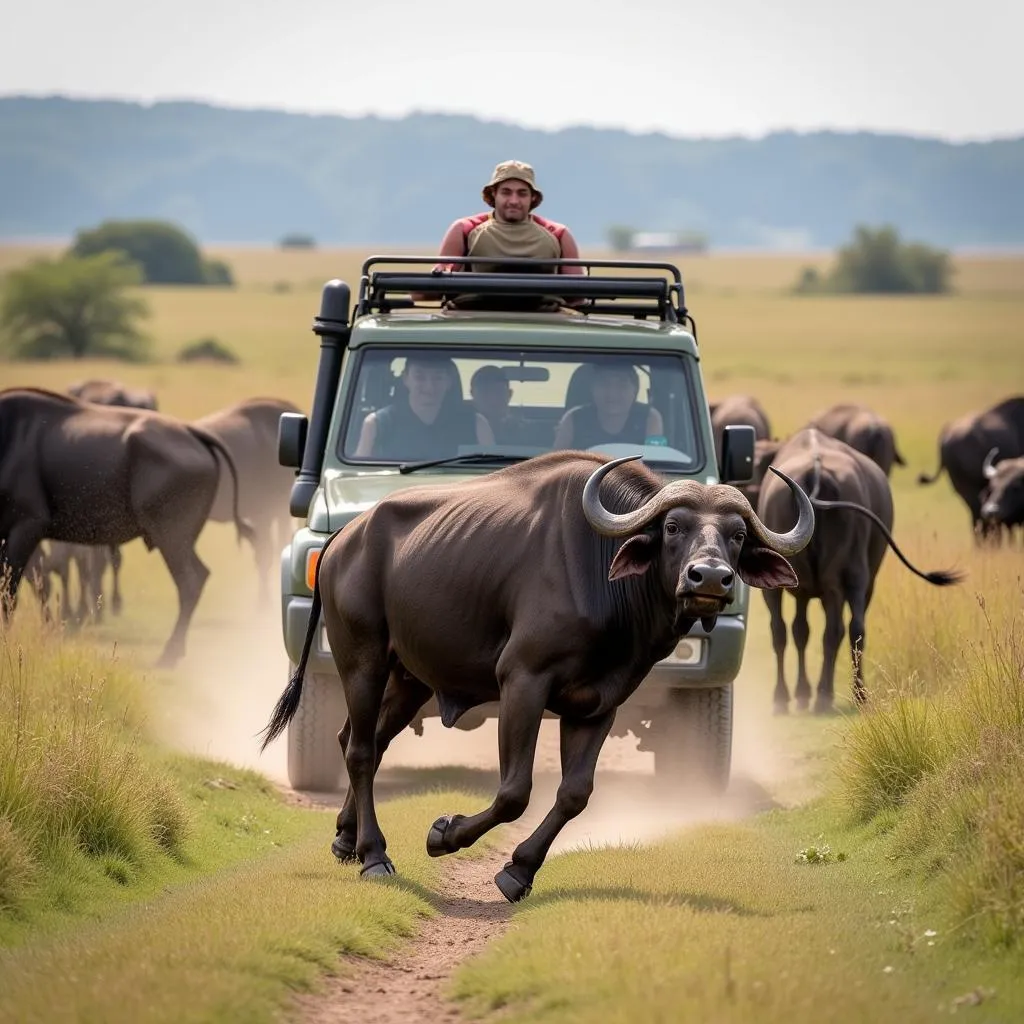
[408, 989]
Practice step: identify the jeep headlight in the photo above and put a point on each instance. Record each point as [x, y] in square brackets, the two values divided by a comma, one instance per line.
[689, 651]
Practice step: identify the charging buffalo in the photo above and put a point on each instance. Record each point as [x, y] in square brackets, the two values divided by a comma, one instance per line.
[532, 586]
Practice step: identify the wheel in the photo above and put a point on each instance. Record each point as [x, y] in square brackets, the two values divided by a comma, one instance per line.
[693, 742]
[315, 760]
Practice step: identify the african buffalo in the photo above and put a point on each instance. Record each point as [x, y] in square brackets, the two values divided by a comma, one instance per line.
[841, 562]
[963, 445]
[249, 431]
[862, 429]
[740, 410]
[531, 588]
[112, 392]
[90, 474]
[1002, 500]
[106, 392]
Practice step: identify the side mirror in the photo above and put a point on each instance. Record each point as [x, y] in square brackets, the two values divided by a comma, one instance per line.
[291, 439]
[736, 463]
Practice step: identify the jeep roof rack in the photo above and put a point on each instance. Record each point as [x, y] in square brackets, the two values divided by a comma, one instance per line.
[626, 295]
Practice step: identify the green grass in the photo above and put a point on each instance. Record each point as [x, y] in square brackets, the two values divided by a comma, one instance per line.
[235, 945]
[726, 923]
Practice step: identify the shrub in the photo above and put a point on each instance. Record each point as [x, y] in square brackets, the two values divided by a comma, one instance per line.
[877, 262]
[166, 253]
[207, 349]
[73, 306]
[297, 240]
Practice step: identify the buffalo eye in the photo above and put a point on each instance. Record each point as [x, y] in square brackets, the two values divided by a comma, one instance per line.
[740, 536]
[671, 527]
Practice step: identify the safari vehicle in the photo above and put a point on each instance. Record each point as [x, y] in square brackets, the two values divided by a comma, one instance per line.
[629, 312]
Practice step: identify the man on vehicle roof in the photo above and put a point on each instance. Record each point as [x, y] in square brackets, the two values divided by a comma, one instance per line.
[510, 228]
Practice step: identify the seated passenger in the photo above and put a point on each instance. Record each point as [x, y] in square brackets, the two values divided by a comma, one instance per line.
[428, 418]
[491, 395]
[613, 416]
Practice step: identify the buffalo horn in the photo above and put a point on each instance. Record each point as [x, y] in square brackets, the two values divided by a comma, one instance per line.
[988, 467]
[690, 492]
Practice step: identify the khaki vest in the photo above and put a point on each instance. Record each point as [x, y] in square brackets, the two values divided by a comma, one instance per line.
[496, 238]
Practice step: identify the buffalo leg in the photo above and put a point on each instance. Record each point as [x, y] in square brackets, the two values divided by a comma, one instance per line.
[262, 553]
[773, 599]
[115, 566]
[22, 539]
[801, 635]
[403, 697]
[833, 637]
[520, 710]
[857, 598]
[189, 575]
[581, 743]
[365, 686]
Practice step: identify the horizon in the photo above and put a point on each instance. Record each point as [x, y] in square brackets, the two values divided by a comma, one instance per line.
[502, 121]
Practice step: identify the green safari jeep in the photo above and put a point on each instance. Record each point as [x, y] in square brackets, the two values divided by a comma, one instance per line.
[439, 376]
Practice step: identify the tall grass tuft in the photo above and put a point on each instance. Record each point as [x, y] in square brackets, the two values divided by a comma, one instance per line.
[940, 751]
[74, 781]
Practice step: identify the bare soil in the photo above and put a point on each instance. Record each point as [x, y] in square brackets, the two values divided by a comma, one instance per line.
[409, 988]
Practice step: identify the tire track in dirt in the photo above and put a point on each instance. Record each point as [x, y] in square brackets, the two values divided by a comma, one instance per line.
[409, 988]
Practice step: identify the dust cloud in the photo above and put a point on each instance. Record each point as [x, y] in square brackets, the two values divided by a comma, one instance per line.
[223, 692]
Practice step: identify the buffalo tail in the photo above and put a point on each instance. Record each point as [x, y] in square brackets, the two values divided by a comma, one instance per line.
[924, 478]
[243, 526]
[941, 578]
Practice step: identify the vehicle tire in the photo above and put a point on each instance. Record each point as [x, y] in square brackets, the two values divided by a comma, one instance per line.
[694, 738]
[315, 761]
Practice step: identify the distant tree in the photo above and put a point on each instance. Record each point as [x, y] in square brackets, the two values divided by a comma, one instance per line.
[620, 237]
[166, 254]
[877, 262]
[73, 306]
[297, 240]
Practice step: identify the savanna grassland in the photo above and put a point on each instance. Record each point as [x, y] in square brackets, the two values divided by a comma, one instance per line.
[921, 792]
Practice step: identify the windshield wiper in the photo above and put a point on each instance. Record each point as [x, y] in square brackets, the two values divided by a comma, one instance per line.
[411, 467]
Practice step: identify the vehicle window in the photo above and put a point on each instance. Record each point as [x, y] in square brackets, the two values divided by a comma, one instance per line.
[412, 404]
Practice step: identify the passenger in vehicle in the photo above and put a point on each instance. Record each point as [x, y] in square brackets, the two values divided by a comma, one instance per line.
[428, 418]
[492, 394]
[613, 416]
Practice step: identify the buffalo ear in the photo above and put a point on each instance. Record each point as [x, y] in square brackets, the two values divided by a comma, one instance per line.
[765, 569]
[635, 557]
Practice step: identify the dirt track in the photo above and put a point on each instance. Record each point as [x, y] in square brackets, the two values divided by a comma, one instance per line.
[409, 988]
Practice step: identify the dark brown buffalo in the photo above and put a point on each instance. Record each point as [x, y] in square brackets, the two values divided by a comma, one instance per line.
[536, 588]
[963, 445]
[249, 431]
[1002, 500]
[104, 392]
[862, 429]
[90, 474]
[112, 392]
[738, 410]
[839, 566]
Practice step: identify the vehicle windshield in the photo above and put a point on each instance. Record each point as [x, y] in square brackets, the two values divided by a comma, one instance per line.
[413, 404]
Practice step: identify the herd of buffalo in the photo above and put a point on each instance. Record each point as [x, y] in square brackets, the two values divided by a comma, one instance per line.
[844, 457]
[85, 472]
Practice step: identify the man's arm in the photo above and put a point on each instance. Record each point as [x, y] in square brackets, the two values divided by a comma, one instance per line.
[563, 433]
[570, 251]
[366, 437]
[484, 434]
[655, 425]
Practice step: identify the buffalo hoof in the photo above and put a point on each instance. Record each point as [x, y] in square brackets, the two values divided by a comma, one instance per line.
[780, 709]
[824, 707]
[344, 848]
[512, 888]
[436, 845]
[379, 870]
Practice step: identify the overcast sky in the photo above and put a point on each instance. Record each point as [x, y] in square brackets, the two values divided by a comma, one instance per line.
[717, 67]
